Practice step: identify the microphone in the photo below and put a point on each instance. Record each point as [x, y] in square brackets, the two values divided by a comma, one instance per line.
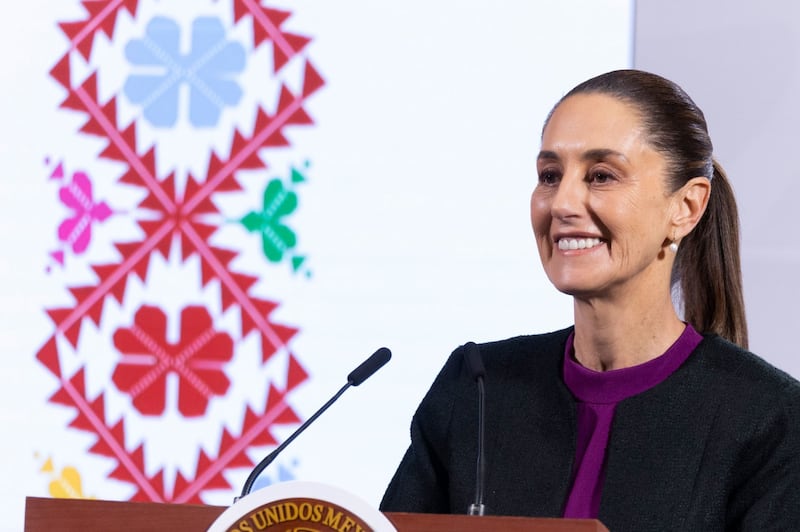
[472, 357]
[364, 371]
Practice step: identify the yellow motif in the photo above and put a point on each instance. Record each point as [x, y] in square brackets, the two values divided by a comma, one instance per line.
[66, 484]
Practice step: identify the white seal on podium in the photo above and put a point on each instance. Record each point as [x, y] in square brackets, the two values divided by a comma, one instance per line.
[299, 506]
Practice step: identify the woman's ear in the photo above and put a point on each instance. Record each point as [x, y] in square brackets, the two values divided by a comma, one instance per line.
[691, 201]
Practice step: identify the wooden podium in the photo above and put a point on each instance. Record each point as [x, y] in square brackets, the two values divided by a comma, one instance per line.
[47, 515]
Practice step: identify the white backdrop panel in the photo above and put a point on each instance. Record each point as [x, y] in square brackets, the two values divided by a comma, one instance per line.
[414, 219]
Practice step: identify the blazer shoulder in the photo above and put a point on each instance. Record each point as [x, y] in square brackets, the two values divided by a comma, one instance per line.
[525, 345]
[746, 372]
[525, 355]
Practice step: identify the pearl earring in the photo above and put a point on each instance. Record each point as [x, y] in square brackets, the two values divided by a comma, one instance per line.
[673, 246]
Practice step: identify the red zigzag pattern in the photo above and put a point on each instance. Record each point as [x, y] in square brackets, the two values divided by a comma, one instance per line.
[176, 221]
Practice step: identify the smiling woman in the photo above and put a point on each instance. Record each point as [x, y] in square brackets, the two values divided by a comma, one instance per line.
[600, 181]
[644, 415]
[589, 191]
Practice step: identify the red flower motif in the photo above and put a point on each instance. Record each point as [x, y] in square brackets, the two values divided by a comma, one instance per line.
[147, 357]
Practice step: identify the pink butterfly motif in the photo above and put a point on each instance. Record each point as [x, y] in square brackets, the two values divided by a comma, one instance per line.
[76, 231]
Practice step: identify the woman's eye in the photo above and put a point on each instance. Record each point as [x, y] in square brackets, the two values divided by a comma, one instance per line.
[600, 177]
[549, 177]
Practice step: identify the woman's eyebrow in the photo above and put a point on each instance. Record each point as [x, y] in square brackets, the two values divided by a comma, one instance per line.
[599, 154]
[595, 154]
[548, 155]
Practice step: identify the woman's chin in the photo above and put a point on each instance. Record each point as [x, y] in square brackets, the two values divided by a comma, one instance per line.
[580, 290]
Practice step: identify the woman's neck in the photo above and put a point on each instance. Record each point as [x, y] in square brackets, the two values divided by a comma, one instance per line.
[610, 335]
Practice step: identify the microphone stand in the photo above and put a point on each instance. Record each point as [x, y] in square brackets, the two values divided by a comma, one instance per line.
[472, 356]
[364, 371]
[251, 479]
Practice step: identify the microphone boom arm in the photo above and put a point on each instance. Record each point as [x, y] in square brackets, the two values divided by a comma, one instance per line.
[364, 371]
[251, 479]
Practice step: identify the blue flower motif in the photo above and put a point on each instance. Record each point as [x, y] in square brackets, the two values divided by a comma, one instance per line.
[161, 69]
[285, 473]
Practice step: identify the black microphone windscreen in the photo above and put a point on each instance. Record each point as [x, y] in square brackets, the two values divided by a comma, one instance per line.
[472, 356]
[369, 366]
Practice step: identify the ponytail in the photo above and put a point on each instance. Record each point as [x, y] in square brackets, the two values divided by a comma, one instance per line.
[708, 268]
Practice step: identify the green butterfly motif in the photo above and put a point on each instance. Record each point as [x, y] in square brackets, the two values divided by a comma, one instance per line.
[276, 237]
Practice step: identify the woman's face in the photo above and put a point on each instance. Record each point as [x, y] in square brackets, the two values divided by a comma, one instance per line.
[601, 210]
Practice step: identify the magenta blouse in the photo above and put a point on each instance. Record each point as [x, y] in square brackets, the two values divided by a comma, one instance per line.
[597, 394]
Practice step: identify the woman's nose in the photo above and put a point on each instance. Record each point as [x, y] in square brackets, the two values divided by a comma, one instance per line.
[569, 197]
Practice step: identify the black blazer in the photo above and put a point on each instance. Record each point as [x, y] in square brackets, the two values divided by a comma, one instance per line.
[716, 446]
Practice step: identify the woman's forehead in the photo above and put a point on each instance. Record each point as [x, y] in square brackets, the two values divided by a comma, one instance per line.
[592, 122]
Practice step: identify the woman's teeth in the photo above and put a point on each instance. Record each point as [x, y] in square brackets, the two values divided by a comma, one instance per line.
[578, 243]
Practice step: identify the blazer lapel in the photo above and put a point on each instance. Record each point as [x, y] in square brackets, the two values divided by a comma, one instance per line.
[656, 447]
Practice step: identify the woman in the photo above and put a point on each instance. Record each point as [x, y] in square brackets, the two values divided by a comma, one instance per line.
[641, 415]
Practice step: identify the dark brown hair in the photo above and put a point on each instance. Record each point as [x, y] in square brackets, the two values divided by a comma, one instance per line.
[707, 267]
